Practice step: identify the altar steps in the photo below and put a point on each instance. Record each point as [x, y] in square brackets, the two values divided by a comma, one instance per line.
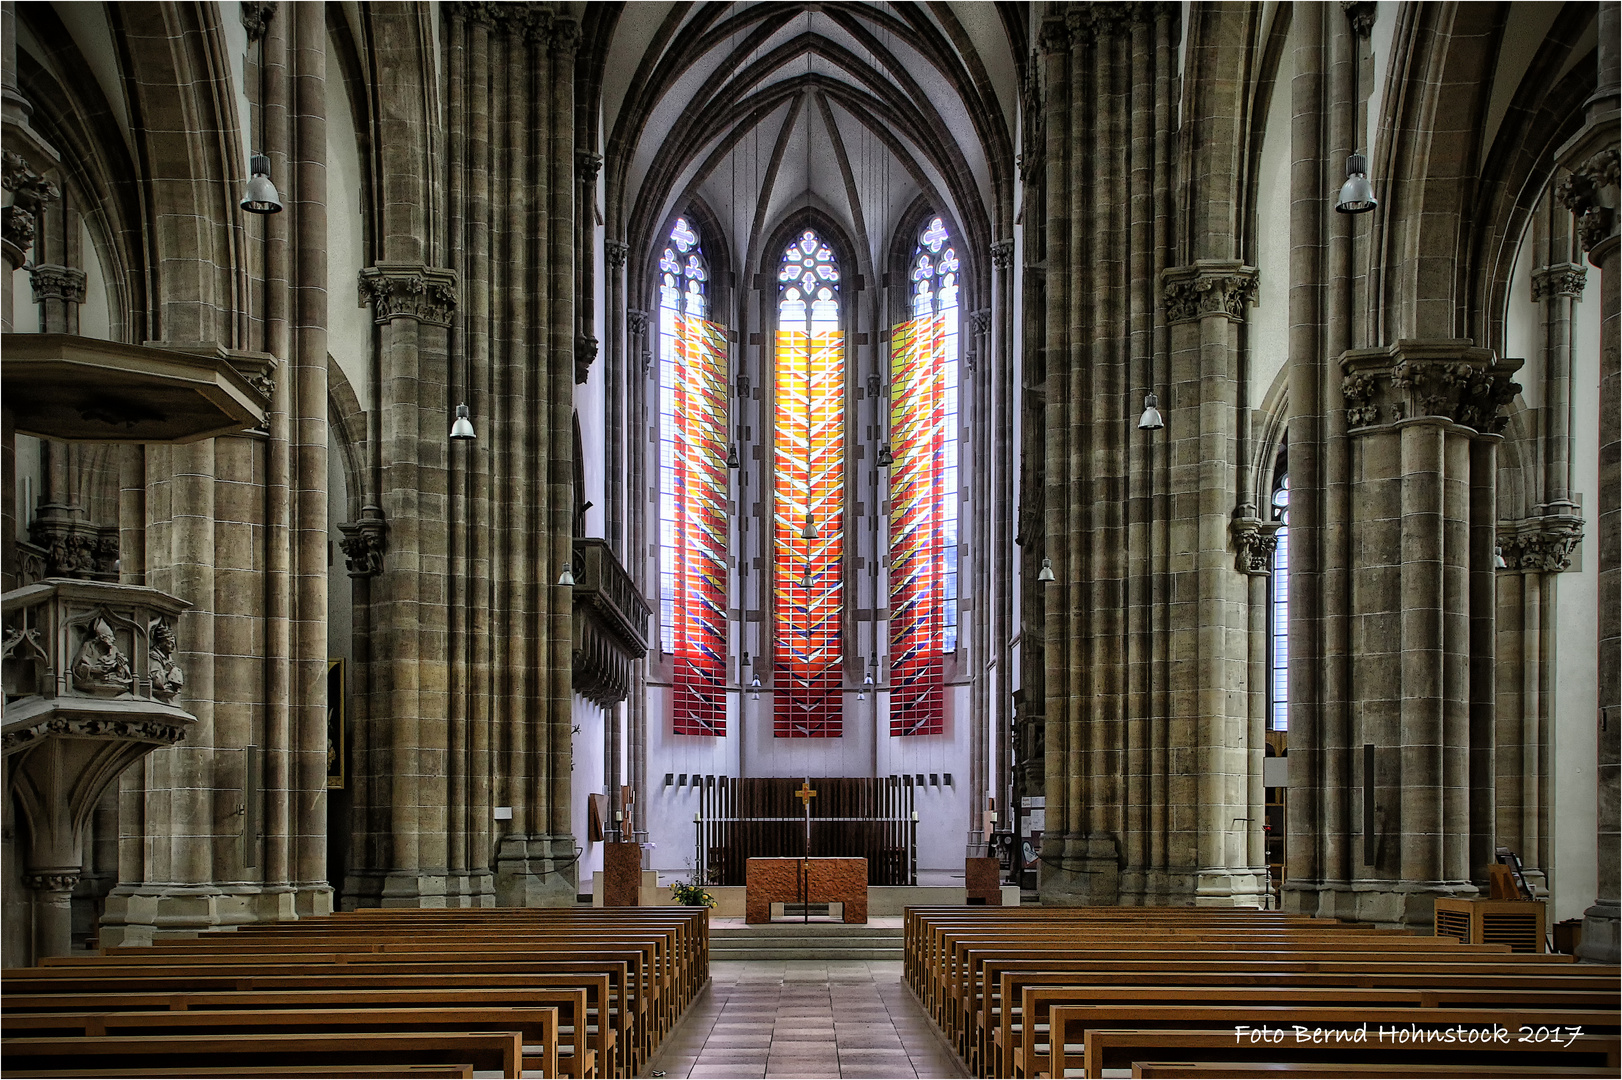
[805, 941]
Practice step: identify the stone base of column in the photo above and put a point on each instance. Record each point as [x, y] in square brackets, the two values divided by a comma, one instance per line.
[1079, 870]
[418, 889]
[1399, 905]
[1600, 924]
[1232, 886]
[1156, 888]
[140, 915]
[536, 871]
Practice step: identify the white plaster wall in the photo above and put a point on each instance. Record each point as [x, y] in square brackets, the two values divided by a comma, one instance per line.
[236, 49]
[1382, 40]
[1573, 882]
[24, 312]
[586, 779]
[95, 314]
[87, 25]
[1270, 318]
[1523, 327]
[349, 323]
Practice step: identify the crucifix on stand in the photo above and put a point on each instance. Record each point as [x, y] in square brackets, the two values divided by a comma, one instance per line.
[805, 795]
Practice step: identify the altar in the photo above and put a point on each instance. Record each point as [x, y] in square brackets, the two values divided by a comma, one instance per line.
[814, 881]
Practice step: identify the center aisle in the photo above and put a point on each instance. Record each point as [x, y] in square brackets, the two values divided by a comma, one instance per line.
[805, 1018]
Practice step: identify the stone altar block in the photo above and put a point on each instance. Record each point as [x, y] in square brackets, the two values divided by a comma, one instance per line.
[824, 881]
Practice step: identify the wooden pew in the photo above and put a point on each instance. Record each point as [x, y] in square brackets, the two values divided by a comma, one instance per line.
[1070, 1023]
[1021, 1028]
[242, 1055]
[1114, 1049]
[604, 987]
[1228, 1070]
[537, 1026]
[1009, 1012]
[576, 1056]
[626, 1017]
[285, 1072]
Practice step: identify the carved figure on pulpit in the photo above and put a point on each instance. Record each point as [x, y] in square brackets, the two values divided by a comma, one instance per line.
[167, 677]
[100, 667]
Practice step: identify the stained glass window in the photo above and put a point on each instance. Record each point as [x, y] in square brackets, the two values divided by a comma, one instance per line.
[692, 488]
[1278, 689]
[923, 488]
[808, 454]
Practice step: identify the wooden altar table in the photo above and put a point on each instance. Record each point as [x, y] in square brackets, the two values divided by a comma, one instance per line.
[826, 881]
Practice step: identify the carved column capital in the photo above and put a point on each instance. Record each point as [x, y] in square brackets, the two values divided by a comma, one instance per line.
[588, 163]
[1207, 288]
[52, 881]
[1002, 255]
[1590, 193]
[489, 13]
[1054, 36]
[636, 321]
[1559, 279]
[585, 351]
[256, 16]
[1254, 542]
[1539, 545]
[364, 543]
[1449, 379]
[565, 36]
[410, 291]
[1360, 13]
[981, 320]
[614, 251]
[29, 193]
[62, 283]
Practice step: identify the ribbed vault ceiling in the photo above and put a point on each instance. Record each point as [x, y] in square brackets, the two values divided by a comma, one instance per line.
[757, 111]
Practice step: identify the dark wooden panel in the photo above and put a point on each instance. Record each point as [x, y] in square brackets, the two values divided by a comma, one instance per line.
[851, 817]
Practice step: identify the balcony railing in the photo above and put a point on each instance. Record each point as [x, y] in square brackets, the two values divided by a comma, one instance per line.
[610, 623]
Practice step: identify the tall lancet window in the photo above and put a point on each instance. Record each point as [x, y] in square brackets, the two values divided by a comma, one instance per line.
[692, 488]
[808, 517]
[1278, 614]
[923, 488]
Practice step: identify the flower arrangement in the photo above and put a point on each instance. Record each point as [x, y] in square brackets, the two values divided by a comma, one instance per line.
[691, 894]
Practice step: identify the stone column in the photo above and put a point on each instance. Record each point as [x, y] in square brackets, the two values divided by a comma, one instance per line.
[614, 252]
[1533, 551]
[1423, 418]
[1592, 194]
[413, 304]
[59, 290]
[1205, 303]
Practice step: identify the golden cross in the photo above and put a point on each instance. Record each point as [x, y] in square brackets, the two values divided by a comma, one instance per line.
[806, 794]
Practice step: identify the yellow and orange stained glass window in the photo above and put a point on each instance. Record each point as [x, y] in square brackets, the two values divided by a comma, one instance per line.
[693, 483]
[808, 494]
[923, 490]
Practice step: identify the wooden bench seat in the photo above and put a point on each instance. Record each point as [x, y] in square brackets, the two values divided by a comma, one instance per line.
[619, 979]
[1230, 1070]
[1118, 1048]
[608, 1022]
[1070, 1023]
[484, 1051]
[537, 1026]
[286, 1072]
[1037, 1002]
[576, 1056]
[961, 999]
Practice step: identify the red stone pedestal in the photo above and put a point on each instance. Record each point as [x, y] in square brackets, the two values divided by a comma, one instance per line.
[816, 881]
[981, 876]
[622, 875]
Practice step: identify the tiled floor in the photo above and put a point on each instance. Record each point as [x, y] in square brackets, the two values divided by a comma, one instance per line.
[805, 1018]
